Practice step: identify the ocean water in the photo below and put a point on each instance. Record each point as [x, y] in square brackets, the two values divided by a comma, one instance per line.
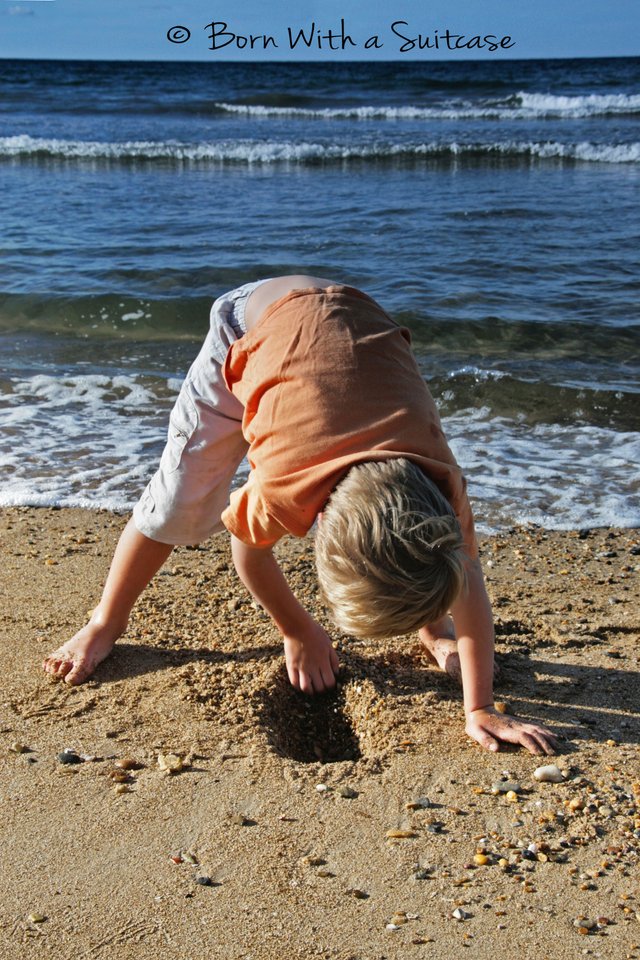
[490, 206]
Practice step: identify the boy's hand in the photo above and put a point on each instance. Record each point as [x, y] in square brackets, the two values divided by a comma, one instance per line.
[489, 727]
[311, 661]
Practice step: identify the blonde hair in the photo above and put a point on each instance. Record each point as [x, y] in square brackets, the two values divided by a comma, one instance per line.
[389, 550]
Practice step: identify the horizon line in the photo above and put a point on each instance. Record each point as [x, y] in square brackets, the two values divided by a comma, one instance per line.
[245, 61]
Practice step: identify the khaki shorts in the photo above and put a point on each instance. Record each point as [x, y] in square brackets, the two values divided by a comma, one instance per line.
[184, 500]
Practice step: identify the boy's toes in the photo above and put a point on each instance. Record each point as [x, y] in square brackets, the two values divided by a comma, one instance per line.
[78, 672]
[51, 664]
[64, 668]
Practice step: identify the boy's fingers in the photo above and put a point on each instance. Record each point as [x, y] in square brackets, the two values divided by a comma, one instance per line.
[529, 741]
[548, 743]
[328, 678]
[306, 685]
[487, 741]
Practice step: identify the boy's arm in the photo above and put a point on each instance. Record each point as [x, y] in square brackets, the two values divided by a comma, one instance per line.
[473, 621]
[310, 657]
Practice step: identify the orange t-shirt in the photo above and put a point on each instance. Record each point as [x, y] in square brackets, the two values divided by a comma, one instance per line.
[327, 380]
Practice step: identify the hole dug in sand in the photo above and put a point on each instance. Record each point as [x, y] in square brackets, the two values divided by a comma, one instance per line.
[307, 729]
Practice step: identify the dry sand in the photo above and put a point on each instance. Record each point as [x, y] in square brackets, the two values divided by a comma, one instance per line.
[285, 802]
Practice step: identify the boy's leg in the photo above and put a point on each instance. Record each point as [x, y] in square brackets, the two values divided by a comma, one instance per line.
[136, 560]
[183, 501]
[439, 642]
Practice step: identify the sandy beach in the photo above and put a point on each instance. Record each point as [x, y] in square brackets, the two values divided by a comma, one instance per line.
[276, 839]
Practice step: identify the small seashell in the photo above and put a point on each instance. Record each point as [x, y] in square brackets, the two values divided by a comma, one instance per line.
[549, 774]
[321, 787]
[170, 762]
[176, 858]
[122, 788]
[392, 926]
[399, 834]
[19, 748]
[511, 796]
[460, 914]
[398, 919]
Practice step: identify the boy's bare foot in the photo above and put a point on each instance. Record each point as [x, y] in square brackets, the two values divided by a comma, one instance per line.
[76, 659]
[439, 643]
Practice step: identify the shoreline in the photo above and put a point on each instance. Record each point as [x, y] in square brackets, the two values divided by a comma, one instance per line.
[298, 871]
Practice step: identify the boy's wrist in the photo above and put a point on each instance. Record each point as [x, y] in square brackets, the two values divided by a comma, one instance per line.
[475, 709]
[292, 622]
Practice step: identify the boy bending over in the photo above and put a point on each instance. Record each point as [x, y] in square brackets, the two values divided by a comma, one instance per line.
[318, 386]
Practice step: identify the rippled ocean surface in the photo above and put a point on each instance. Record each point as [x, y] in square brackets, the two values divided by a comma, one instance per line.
[490, 206]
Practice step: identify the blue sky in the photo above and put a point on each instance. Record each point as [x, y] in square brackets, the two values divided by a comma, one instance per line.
[137, 29]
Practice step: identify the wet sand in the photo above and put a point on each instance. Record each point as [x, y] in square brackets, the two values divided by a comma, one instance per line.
[284, 804]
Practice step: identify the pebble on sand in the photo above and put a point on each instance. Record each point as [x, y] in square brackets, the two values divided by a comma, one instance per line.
[505, 786]
[400, 834]
[128, 763]
[120, 776]
[549, 774]
[36, 918]
[19, 748]
[420, 803]
[170, 762]
[348, 793]
[69, 755]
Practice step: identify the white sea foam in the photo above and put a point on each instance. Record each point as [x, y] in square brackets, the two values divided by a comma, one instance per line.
[274, 151]
[95, 441]
[521, 106]
[558, 476]
[593, 104]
